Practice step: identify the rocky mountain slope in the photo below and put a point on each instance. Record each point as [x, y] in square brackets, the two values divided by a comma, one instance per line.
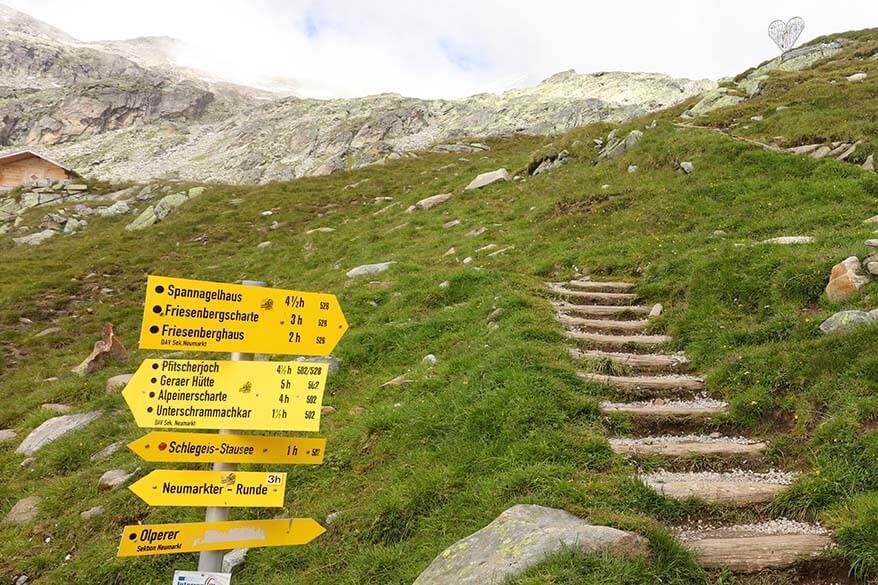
[122, 110]
[711, 338]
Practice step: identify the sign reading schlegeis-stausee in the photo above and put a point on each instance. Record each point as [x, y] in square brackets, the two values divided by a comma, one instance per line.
[157, 539]
[211, 394]
[194, 315]
[204, 448]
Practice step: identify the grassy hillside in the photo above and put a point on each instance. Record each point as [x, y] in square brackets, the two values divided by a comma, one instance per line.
[501, 418]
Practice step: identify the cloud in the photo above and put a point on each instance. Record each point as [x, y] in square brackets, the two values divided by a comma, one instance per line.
[450, 48]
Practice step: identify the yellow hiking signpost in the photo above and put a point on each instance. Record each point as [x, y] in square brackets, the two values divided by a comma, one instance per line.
[209, 394]
[157, 539]
[172, 487]
[194, 315]
[241, 394]
[163, 446]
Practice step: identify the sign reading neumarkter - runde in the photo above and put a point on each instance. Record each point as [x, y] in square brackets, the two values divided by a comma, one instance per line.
[195, 315]
[174, 487]
[214, 394]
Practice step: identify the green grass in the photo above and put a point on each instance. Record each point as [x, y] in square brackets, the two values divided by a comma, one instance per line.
[501, 418]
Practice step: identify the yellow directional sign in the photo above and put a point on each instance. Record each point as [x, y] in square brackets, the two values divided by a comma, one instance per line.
[171, 487]
[163, 446]
[194, 315]
[211, 394]
[158, 539]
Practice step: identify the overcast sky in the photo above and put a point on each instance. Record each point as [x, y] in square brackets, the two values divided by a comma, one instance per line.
[451, 48]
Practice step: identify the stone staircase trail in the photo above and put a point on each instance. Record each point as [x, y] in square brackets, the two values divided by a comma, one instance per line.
[614, 344]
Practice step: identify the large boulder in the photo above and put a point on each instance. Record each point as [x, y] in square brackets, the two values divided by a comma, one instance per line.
[714, 100]
[35, 239]
[846, 279]
[616, 147]
[486, 179]
[844, 320]
[53, 429]
[520, 537]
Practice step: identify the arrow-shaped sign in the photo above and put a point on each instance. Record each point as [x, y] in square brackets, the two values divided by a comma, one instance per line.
[172, 487]
[162, 446]
[209, 394]
[157, 539]
[194, 315]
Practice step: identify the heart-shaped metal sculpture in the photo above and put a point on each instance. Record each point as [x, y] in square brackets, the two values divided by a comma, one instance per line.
[785, 34]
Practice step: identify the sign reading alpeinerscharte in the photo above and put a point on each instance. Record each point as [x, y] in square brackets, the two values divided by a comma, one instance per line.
[236, 395]
[196, 315]
[162, 446]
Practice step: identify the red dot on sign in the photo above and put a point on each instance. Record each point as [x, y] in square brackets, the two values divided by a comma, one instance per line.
[163, 446]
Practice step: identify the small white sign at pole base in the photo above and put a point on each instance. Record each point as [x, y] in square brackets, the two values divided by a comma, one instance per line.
[201, 578]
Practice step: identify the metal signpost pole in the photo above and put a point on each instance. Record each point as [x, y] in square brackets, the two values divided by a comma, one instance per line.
[211, 561]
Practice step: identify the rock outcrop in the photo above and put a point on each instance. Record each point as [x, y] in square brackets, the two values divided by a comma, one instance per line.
[519, 538]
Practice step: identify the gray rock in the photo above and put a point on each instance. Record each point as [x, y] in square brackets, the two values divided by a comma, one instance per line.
[871, 243]
[616, 148]
[486, 179]
[35, 239]
[22, 580]
[430, 202]
[869, 165]
[56, 408]
[195, 192]
[632, 168]
[55, 428]
[821, 152]
[333, 362]
[429, 359]
[7, 435]
[330, 518]
[116, 382]
[369, 269]
[263, 245]
[24, 511]
[804, 149]
[800, 58]
[73, 224]
[789, 240]
[114, 210]
[91, 513]
[856, 77]
[846, 279]
[444, 284]
[146, 218]
[107, 451]
[115, 478]
[518, 539]
[714, 100]
[687, 167]
[49, 331]
[233, 558]
[845, 320]
[320, 230]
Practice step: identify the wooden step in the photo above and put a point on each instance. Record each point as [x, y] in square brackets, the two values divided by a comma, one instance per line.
[604, 324]
[663, 407]
[619, 341]
[647, 362]
[605, 286]
[729, 489]
[596, 298]
[686, 446]
[669, 382]
[744, 550]
[602, 310]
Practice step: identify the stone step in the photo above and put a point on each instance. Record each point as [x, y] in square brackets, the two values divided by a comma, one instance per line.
[606, 286]
[594, 298]
[777, 544]
[619, 341]
[647, 362]
[665, 407]
[687, 446]
[734, 488]
[669, 382]
[603, 310]
[604, 324]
